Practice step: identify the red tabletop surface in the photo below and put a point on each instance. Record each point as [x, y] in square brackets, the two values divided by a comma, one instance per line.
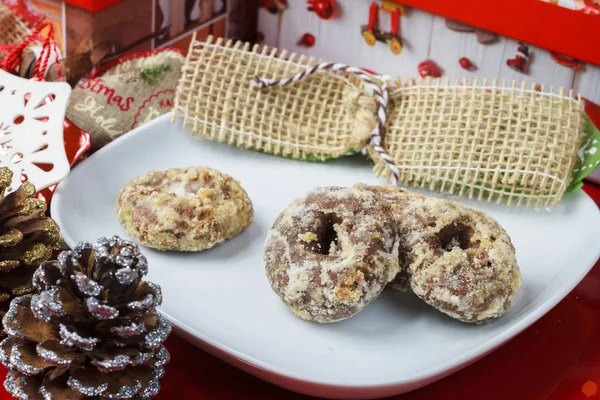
[556, 358]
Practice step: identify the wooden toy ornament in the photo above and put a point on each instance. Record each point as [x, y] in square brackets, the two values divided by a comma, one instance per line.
[521, 61]
[371, 32]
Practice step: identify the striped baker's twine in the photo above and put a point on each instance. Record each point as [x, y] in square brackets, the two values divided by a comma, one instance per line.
[380, 93]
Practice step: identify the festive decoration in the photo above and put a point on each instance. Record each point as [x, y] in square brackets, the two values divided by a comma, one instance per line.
[151, 75]
[13, 30]
[92, 331]
[449, 153]
[428, 68]
[28, 60]
[125, 94]
[307, 40]
[32, 140]
[372, 34]
[590, 7]
[467, 64]
[25, 11]
[483, 36]
[588, 155]
[567, 61]
[521, 61]
[274, 6]
[27, 236]
[323, 8]
[77, 143]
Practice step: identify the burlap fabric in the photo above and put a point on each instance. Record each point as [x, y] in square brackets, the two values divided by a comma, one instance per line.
[325, 116]
[12, 29]
[495, 142]
[125, 95]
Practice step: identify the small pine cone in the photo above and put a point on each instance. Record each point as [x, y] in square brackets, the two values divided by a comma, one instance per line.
[27, 238]
[92, 331]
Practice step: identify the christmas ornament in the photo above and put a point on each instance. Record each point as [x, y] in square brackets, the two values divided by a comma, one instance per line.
[27, 238]
[92, 330]
[323, 8]
[467, 64]
[32, 115]
[274, 6]
[77, 143]
[566, 61]
[428, 68]
[372, 34]
[307, 40]
[521, 61]
[25, 11]
[278, 113]
[125, 94]
[591, 7]
[13, 29]
[483, 36]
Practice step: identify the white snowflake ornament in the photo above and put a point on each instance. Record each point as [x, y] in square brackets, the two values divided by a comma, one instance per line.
[32, 115]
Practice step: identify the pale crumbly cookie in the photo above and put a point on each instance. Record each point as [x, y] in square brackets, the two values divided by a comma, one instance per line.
[460, 260]
[398, 199]
[331, 252]
[184, 209]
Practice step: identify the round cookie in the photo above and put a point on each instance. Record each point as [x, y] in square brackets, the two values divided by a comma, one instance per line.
[460, 260]
[398, 200]
[331, 252]
[184, 209]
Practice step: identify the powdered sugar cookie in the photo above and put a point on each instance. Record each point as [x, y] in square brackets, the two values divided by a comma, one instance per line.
[460, 260]
[331, 252]
[184, 209]
[398, 199]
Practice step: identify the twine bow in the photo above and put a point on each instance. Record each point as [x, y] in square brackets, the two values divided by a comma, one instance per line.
[380, 93]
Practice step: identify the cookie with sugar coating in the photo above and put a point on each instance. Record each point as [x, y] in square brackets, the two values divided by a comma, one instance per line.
[331, 252]
[184, 209]
[460, 260]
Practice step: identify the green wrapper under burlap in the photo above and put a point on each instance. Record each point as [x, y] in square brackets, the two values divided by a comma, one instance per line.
[493, 142]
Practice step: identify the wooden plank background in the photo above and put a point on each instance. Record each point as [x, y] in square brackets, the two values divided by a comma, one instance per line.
[425, 36]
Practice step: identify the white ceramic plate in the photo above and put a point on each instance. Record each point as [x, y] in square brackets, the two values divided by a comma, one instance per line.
[220, 299]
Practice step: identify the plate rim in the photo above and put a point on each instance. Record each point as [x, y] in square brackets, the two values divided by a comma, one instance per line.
[426, 375]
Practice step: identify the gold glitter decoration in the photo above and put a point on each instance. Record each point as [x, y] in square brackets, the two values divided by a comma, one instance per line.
[37, 254]
[29, 188]
[5, 177]
[5, 296]
[8, 265]
[11, 238]
[27, 238]
[31, 205]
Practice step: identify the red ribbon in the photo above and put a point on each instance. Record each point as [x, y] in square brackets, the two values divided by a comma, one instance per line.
[15, 54]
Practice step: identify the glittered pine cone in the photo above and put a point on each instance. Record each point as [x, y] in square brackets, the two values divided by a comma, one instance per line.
[27, 238]
[91, 332]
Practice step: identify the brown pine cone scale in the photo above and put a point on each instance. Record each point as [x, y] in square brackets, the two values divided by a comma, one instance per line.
[91, 332]
[27, 238]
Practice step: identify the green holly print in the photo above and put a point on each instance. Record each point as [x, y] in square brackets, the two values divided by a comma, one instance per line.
[151, 75]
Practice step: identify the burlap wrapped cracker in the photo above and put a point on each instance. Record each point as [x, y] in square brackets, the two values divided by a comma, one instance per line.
[125, 95]
[498, 142]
